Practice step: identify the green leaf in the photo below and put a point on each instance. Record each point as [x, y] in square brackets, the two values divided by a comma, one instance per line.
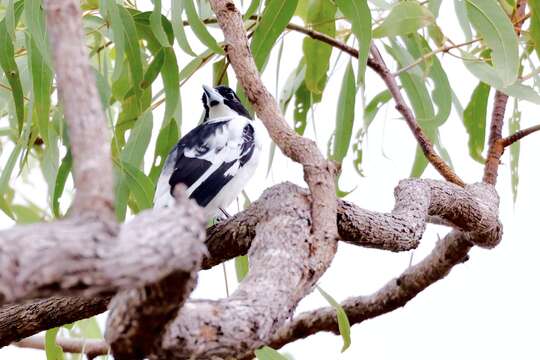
[343, 320]
[61, 178]
[534, 5]
[171, 79]
[241, 264]
[274, 19]
[11, 71]
[358, 151]
[474, 119]
[372, 108]
[404, 18]
[513, 126]
[253, 7]
[345, 115]
[42, 77]
[460, 8]
[52, 350]
[267, 353]
[138, 184]
[133, 53]
[35, 22]
[492, 23]
[320, 15]
[26, 214]
[199, 29]
[302, 104]
[7, 170]
[89, 328]
[358, 13]
[219, 71]
[177, 9]
[157, 26]
[111, 12]
[168, 136]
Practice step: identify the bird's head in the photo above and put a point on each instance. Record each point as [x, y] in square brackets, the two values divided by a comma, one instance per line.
[222, 101]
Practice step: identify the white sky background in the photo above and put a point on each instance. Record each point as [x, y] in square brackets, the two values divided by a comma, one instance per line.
[486, 308]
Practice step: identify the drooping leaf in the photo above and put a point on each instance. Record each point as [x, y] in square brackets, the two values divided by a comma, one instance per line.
[474, 119]
[342, 319]
[252, 9]
[358, 151]
[275, 17]
[513, 126]
[110, 11]
[26, 214]
[405, 17]
[220, 73]
[302, 104]
[345, 115]
[372, 108]
[267, 353]
[61, 178]
[35, 22]
[492, 23]
[358, 13]
[199, 28]
[138, 184]
[52, 350]
[317, 54]
[178, 27]
[168, 136]
[10, 68]
[535, 24]
[157, 26]
[171, 79]
[241, 264]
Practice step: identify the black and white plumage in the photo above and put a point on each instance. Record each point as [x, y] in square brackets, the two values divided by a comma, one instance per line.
[217, 158]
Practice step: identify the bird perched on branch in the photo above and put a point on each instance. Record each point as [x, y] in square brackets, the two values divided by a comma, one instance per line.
[217, 158]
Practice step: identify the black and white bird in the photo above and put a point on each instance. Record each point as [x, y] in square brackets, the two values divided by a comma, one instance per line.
[216, 159]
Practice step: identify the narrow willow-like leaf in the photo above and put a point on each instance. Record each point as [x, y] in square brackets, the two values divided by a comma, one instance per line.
[178, 27]
[492, 23]
[26, 214]
[138, 184]
[35, 22]
[442, 92]
[241, 265]
[474, 119]
[302, 104]
[252, 9]
[52, 350]
[61, 178]
[8, 167]
[320, 15]
[5, 206]
[157, 26]
[460, 8]
[171, 79]
[267, 353]
[199, 28]
[274, 19]
[344, 115]
[133, 53]
[89, 328]
[168, 136]
[42, 77]
[219, 72]
[139, 138]
[110, 11]
[11, 70]
[195, 64]
[404, 18]
[372, 108]
[358, 151]
[358, 13]
[343, 321]
[535, 24]
[513, 126]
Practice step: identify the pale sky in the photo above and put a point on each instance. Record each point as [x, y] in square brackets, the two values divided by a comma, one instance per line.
[486, 308]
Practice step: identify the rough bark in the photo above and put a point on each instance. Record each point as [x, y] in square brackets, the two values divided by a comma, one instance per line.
[451, 250]
[319, 173]
[84, 114]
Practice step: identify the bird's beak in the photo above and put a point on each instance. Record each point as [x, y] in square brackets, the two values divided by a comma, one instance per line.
[214, 97]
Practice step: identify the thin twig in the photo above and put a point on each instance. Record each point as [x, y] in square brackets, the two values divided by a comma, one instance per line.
[518, 135]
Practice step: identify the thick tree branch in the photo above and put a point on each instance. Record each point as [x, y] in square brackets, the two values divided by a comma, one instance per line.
[448, 252]
[18, 321]
[92, 169]
[318, 172]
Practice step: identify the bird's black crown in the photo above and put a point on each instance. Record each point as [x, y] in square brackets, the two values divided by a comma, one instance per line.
[230, 99]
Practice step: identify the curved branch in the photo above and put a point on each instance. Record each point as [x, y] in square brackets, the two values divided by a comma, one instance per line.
[518, 135]
[451, 250]
[318, 172]
[89, 347]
